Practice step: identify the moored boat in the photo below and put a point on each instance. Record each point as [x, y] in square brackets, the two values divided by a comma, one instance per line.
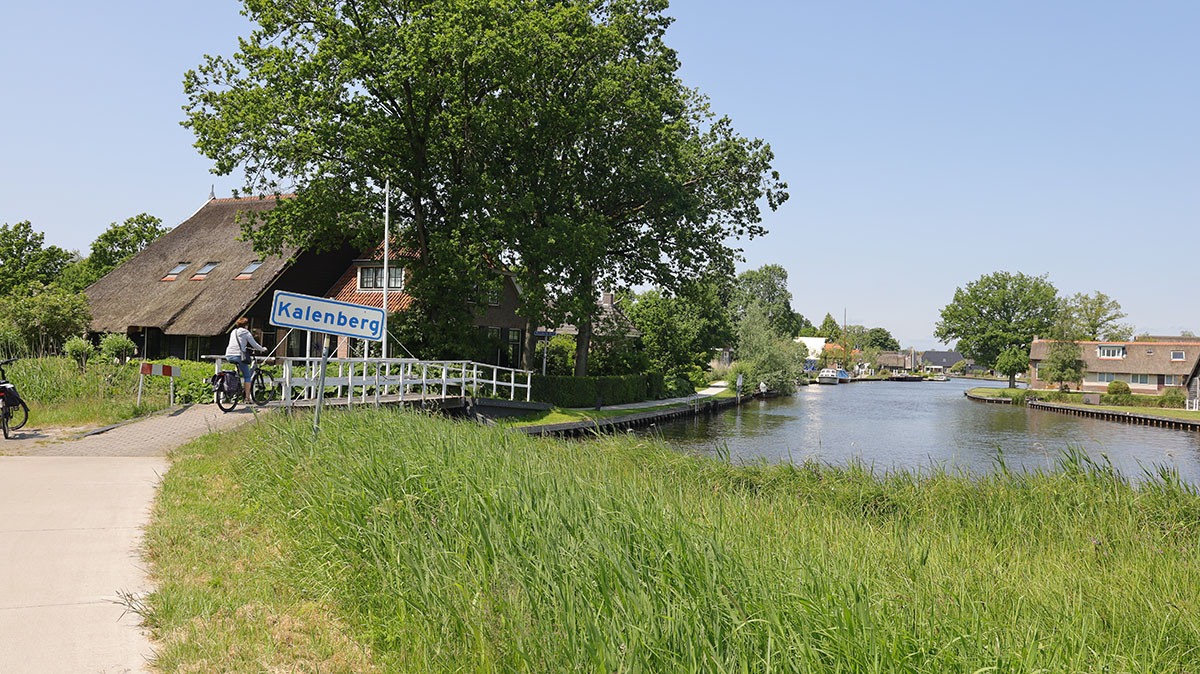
[827, 376]
[843, 376]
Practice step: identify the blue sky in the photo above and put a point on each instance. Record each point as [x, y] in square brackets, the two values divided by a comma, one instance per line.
[925, 143]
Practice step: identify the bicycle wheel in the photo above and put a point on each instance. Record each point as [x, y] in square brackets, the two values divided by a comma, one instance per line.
[226, 401]
[22, 413]
[4, 419]
[262, 388]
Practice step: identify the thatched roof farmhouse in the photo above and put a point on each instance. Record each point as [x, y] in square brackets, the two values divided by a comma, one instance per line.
[180, 295]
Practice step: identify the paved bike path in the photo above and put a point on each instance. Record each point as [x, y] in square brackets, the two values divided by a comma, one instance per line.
[71, 520]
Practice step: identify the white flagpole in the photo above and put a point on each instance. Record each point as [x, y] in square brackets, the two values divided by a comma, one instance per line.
[387, 193]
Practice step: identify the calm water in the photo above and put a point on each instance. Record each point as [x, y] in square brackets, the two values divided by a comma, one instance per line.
[922, 424]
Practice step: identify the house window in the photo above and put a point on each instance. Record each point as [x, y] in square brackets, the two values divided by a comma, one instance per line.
[1105, 376]
[1171, 380]
[1106, 351]
[1177, 355]
[1139, 379]
[248, 271]
[371, 278]
[175, 271]
[202, 272]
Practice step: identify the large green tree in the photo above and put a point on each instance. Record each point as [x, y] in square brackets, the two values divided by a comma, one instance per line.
[998, 314]
[881, 339]
[830, 329]
[1064, 364]
[680, 332]
[552, 137]
[1097, 317]
[767, 286]
[24, 259]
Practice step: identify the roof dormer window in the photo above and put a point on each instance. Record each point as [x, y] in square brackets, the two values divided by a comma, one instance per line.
[1178, 355]
[175, 271]
[1111, 351]
[248, 271]
[203, 272]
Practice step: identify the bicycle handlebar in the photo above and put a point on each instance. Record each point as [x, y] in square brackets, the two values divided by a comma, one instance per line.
[10, 360]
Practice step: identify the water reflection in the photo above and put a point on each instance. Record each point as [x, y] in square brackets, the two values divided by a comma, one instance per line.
[918, 425]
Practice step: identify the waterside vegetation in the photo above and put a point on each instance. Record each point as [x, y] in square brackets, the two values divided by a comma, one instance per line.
[400, 542]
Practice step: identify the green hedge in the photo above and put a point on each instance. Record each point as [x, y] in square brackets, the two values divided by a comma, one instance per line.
[585, 391]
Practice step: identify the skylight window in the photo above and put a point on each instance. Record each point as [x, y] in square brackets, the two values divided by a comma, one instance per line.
[248, 271]
[175, 271]
[202, 272]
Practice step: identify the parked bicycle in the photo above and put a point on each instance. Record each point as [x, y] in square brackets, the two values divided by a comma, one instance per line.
[14, 413]
[228, 389]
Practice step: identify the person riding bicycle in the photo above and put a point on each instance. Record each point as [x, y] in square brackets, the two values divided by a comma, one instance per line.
[238, 351]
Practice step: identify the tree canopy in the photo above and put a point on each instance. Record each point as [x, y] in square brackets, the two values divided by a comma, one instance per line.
[767, 286]
[24, 259]
[554, 138]
[881, 339]
[997, 314]
[1097, 317]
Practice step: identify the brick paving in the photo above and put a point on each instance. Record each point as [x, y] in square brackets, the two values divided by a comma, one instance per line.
[154, 436]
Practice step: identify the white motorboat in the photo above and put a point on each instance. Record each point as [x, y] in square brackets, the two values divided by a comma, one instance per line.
[828, 376]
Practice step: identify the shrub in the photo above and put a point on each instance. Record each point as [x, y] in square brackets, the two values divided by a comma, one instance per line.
[677, 387]
[655, 386]
[1116, 388]
[585, 391]
[1172, 397]
[79, 350]
[116, 347]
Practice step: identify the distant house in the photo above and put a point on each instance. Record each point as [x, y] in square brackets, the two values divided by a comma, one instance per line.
[1193, 388]
[1148, 367]
[362, 282]
[180, 295]
[898, 361]
[815, 346]
[939, 361]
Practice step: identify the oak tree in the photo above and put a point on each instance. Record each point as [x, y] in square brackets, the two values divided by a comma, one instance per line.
[1000, 313]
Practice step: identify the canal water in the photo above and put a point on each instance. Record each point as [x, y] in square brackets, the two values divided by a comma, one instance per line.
[918, 425]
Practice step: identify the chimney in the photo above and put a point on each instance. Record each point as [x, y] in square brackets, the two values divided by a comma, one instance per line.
[606, 299]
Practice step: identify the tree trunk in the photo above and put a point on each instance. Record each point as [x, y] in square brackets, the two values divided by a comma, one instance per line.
[1012, 380]
[583, 342]
[529, 353]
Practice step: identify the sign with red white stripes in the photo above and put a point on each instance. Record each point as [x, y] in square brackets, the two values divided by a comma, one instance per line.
[161, 370]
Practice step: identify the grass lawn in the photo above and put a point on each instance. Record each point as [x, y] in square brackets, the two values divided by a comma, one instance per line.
[1077, 401]
[399, 542]
[560, 415]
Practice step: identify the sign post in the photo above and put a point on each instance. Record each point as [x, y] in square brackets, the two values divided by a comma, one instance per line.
[739, 388]
[328, 317]
[158, 369]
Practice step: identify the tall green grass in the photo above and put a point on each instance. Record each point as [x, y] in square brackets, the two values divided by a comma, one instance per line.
[60, 393]
[450, 547]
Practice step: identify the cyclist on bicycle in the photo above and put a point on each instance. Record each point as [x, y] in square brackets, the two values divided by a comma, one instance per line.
[238, 351]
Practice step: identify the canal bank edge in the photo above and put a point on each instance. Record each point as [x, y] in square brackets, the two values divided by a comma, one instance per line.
[1107, 415]
[628, 421]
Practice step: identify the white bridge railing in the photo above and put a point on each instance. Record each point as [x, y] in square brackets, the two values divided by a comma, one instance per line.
[367, 380]
[1193, 405]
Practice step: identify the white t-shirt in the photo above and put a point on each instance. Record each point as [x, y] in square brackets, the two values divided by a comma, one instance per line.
[239, 341]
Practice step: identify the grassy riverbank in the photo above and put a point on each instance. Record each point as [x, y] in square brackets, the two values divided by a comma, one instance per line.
[398, 542]
[562, 415]
[1076, 400]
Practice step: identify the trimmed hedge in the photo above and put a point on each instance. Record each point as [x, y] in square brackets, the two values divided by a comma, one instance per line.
[585, 391]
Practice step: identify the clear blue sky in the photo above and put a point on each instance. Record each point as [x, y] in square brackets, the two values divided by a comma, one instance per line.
[925, 143]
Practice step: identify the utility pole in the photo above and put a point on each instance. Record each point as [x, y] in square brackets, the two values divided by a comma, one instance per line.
[387, 193]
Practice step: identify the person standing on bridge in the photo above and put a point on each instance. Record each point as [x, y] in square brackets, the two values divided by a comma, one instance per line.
[238, 351]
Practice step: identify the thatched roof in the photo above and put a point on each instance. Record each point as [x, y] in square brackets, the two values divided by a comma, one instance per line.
[1140, 357]
[135, 294]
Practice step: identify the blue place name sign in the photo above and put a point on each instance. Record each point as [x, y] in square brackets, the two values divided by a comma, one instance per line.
[305, 312]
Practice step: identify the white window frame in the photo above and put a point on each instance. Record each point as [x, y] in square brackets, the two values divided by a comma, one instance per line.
[251, 268]
[1104, 377]
[1110, 352]
[178, 269]
[1182, 356]
[1143, 379]
[207, 268]
[395, 278]
[1172, 380]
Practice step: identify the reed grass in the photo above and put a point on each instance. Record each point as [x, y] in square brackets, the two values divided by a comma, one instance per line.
[419, 544]
[61, 393]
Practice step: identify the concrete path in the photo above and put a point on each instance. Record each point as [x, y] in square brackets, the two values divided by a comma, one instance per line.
[71, 521]
[706, 393]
